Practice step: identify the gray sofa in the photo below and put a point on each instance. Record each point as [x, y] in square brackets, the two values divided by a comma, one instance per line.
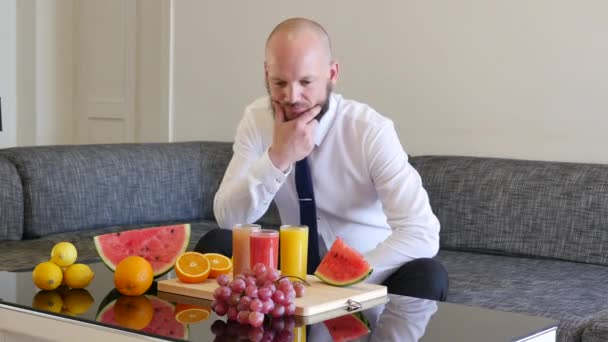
[54, 193]
[520, 236]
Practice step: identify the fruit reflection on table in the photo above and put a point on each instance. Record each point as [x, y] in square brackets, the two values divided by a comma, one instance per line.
[72, 302]
[276, 329]
[145, 313]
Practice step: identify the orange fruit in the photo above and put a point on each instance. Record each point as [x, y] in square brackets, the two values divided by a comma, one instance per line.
[133, 276]
[179, 307]
[220, 264]
[133, 312]
[192, 314]
[192, 267]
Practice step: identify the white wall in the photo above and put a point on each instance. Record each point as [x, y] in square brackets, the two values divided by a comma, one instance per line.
[515, 78]
[151, 113]
[36, 72]
[8, 76]
[54, 72]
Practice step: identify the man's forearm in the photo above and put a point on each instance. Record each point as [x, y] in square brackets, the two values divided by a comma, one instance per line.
[420, 240]
[244, 196]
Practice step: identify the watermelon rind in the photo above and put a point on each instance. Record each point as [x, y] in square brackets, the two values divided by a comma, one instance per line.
[168, 265]
[339, 258]
[330, 281]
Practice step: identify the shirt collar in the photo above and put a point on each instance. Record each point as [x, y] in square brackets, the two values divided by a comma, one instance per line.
[326, 121]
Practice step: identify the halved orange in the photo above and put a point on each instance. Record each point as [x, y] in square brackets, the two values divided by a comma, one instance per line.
[220, 264]
[192, 267]
[186, 313]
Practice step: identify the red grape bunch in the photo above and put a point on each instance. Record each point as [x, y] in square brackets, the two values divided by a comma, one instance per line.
[255, 293]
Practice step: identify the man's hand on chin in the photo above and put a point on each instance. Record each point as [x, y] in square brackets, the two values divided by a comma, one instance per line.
[292, 140]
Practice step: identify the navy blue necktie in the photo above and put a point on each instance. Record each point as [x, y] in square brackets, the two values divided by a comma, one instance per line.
[308, 212]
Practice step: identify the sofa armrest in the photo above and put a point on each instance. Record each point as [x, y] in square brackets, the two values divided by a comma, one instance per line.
[597, 328]
[11, 202]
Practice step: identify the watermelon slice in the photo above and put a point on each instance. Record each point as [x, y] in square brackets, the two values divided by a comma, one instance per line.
[343, 266]
[348, 327]
[159, 245]
[163, 322]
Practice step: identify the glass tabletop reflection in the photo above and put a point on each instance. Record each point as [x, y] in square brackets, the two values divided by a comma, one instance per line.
[180, 318]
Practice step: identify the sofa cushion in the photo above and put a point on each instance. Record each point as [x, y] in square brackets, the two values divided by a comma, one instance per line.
[11, 202]
[541, 287]
[518, 207]
[69, 188]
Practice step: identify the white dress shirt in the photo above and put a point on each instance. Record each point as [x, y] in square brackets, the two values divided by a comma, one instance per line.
[366, 192]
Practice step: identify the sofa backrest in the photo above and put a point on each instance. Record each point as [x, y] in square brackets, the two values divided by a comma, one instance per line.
[82, 187]
[215, 159]
[11, 202]
[518, 207]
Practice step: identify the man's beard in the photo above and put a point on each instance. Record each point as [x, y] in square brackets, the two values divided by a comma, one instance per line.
[324, 106]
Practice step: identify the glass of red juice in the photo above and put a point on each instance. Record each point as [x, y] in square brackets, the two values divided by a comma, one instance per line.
[264, 248]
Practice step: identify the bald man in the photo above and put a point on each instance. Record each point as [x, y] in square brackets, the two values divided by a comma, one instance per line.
[333, 164]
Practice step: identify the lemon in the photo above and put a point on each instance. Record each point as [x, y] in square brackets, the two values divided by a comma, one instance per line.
[65, 312]
[47, 276]
[47, 301]
[77, 301]
[63, 269]
[78, 276]
[64, 254]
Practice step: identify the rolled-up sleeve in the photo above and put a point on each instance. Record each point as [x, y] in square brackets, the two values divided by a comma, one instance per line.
[415, 229]
[250, 182]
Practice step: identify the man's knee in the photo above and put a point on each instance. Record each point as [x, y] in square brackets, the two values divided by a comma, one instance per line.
[423, 278]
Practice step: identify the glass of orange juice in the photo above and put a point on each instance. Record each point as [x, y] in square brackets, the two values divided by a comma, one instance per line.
[240, 246]
[294, 250]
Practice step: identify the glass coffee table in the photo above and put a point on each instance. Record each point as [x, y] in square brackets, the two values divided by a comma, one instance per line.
[99, 313]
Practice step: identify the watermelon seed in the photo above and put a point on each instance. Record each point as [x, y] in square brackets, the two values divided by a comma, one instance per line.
[157, 258]
[172, 230]
[118, 234]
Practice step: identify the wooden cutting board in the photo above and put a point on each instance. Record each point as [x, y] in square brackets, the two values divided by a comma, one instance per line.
[319, 297]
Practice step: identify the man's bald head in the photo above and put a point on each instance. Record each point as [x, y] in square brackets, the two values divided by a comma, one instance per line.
[297, 30]
[298, 67]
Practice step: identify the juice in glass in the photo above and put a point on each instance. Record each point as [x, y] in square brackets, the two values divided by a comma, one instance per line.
[294, 250]
[264, 248]
[240, 246]
[299, 334]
